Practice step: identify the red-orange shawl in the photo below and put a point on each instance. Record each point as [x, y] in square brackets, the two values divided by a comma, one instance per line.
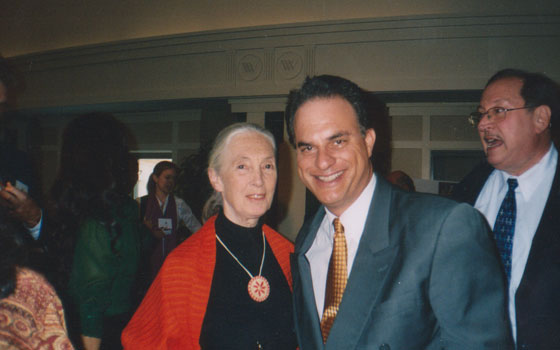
[171, 314]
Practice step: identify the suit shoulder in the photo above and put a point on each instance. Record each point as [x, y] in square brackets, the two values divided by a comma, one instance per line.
[308, 225]
[425, 207]
[422, 201]
[468, 188]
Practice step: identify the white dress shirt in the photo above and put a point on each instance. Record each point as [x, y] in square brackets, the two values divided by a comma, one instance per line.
[530, 197]
[353, 219]
[35, 231]
[184, 213]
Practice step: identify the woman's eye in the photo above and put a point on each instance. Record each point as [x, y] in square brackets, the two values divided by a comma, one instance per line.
[241, 166]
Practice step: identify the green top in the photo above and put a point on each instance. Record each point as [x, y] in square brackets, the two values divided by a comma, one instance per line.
[101, 281]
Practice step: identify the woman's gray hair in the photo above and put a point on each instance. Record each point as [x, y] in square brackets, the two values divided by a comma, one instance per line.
[213, 204]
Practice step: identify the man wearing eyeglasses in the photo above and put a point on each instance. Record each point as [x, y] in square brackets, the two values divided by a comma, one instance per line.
[518, 191]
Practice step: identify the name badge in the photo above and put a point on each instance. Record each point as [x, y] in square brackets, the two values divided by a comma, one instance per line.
[166, 225]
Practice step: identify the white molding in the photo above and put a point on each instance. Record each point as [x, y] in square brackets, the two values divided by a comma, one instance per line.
[414, 53]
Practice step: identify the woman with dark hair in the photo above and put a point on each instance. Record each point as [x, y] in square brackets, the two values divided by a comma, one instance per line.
[31, 314]
[228, 286]
[164, 213]
[98, 227]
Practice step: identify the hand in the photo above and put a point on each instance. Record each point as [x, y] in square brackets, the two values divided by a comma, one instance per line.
[20, 205]
[156, 232]
[148, 223]
[91, 343]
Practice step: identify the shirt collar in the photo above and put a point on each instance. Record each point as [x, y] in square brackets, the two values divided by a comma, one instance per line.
[526, 181]
[163, 204]
[354, 217]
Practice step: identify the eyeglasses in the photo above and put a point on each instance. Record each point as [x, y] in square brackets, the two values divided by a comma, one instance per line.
[496, 114]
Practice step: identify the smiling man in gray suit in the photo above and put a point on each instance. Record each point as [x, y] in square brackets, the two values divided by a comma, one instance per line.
[408, 271]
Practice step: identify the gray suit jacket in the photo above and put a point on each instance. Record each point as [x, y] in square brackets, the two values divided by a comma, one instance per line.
[426, 276]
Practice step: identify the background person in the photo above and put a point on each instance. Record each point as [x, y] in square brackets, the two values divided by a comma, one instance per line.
[31, 314]
[18, 184]
[97, 229]
[401, 179]
[164, 213]
[515, 118]
[228, 286]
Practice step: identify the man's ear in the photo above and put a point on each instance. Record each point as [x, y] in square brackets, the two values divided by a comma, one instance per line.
[370, 140]
[215, 180]
[542, 118]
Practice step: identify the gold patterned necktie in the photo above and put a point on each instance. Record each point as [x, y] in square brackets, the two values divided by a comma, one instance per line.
[336, 279]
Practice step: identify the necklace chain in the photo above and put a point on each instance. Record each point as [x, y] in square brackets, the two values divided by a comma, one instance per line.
[239, 262]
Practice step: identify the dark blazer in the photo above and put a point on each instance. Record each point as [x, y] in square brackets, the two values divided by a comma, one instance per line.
[16, 165]
[426, 276]
[537, 300]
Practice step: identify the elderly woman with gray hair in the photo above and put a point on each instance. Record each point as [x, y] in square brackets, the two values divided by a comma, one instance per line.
[229, 285]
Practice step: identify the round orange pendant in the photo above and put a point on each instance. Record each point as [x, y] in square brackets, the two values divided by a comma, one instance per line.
[258, 288]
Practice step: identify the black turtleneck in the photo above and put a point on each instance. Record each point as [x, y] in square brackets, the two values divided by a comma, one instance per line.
[233, 320]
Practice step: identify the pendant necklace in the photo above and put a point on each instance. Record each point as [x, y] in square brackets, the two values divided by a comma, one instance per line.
[258, 287]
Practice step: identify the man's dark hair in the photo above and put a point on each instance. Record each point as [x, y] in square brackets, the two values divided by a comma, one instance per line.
[537, 90]
[326, 86]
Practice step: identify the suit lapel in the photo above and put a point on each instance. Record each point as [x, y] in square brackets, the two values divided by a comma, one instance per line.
[307, 319]
[374, 259]
[546, 242]
[469, 188]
